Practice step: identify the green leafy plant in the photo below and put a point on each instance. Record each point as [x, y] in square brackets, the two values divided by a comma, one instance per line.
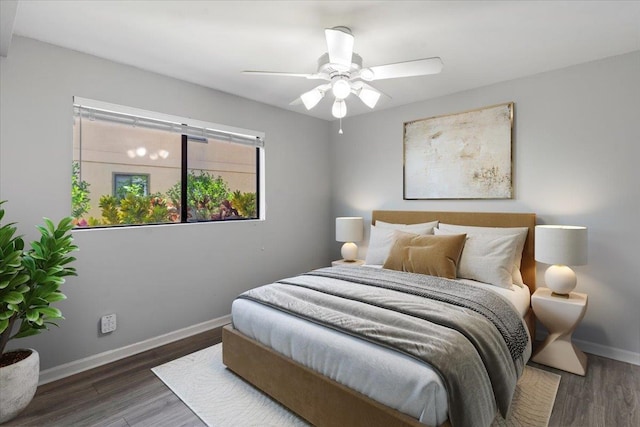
[80, 202]
[109, 206]
[245, 203]
[30, 280]
[137, 187]
[133, 208]
[94, 222]
[208, 197]
[205, 194]
[159, 211]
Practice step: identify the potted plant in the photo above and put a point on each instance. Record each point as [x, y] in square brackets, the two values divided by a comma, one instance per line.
[29, 283]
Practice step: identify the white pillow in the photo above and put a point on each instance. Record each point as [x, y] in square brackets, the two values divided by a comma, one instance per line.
[486, 258]
[409, 228]
[519, 232]
[382, 238]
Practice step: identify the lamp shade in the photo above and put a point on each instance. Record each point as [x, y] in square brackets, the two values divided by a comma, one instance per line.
[349, 229]
[561, 244]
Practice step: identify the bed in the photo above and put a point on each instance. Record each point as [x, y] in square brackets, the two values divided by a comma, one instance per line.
[324, 401]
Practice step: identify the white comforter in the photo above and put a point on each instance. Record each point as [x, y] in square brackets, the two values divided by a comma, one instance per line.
[384, 375]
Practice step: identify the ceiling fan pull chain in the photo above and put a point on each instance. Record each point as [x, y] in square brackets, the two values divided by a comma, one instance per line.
[340, 131]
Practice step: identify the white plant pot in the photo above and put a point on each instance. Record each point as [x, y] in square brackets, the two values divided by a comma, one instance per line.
[19, 383]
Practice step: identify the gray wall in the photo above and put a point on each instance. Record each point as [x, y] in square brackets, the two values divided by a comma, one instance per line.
[576, 146]
[164, 278]
[576, 150]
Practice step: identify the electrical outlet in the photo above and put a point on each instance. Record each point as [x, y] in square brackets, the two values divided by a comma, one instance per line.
[108, 323]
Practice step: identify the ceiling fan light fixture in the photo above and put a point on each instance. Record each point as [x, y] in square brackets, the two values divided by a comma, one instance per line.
[342, 71]
[341, 88]
[369, 96]
[339, 109]
[310, 99]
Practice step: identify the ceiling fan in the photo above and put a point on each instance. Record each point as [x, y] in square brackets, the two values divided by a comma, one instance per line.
[342, 68]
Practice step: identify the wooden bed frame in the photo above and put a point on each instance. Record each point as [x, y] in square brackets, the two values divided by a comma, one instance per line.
[324, 402]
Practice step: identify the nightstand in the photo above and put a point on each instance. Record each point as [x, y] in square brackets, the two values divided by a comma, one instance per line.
[560, 315]
[355, 263]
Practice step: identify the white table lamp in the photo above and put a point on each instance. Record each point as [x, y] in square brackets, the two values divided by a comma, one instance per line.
[561, 246]
[349, 229]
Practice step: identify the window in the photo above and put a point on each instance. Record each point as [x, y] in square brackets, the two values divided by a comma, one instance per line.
[125, 183]
[133, 167]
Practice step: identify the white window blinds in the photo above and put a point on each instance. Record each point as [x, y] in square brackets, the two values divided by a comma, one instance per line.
[97, 110]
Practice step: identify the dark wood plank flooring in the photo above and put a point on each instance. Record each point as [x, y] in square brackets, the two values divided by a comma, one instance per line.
[608, 396]
[122, 393]
[126, 393]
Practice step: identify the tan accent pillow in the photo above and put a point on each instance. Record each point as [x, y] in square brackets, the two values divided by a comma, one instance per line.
[382, 237]
[426, 254]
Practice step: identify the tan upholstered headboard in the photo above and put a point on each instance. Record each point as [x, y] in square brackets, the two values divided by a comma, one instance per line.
[480, 219]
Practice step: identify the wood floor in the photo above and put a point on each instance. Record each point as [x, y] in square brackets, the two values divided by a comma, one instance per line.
[126, 393]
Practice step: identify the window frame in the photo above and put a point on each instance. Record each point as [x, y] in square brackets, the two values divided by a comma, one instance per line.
[189, 130]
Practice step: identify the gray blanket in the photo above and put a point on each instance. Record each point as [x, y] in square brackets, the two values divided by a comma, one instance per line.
[473, 339]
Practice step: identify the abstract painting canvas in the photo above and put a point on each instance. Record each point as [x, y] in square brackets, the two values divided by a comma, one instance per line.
[460, 156]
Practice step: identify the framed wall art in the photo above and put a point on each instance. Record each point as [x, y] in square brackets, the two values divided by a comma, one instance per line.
[460, 156]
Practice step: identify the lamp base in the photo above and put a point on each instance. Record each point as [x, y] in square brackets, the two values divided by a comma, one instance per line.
[560, 279]
[349, 251]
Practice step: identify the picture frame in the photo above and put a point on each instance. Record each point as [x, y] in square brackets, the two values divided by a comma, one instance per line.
[463, 155]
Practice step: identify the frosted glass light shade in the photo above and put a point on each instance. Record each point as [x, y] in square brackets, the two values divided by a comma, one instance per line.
[310, 99]
[561, 245]
[349, 230]
[341, 89]
[339, 109]
[369, 96]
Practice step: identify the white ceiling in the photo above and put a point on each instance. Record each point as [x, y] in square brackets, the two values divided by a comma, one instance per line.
[211, 42]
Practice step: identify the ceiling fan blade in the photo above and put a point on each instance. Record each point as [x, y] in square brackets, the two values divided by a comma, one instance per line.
[339, 46]
[314, 76]
[419, 67]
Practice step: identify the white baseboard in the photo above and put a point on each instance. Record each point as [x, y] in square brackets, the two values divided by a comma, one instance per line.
[601, 350]
[609, 352]
[77, 366]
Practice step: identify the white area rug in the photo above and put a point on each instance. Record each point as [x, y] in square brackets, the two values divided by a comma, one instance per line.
[222, 399]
